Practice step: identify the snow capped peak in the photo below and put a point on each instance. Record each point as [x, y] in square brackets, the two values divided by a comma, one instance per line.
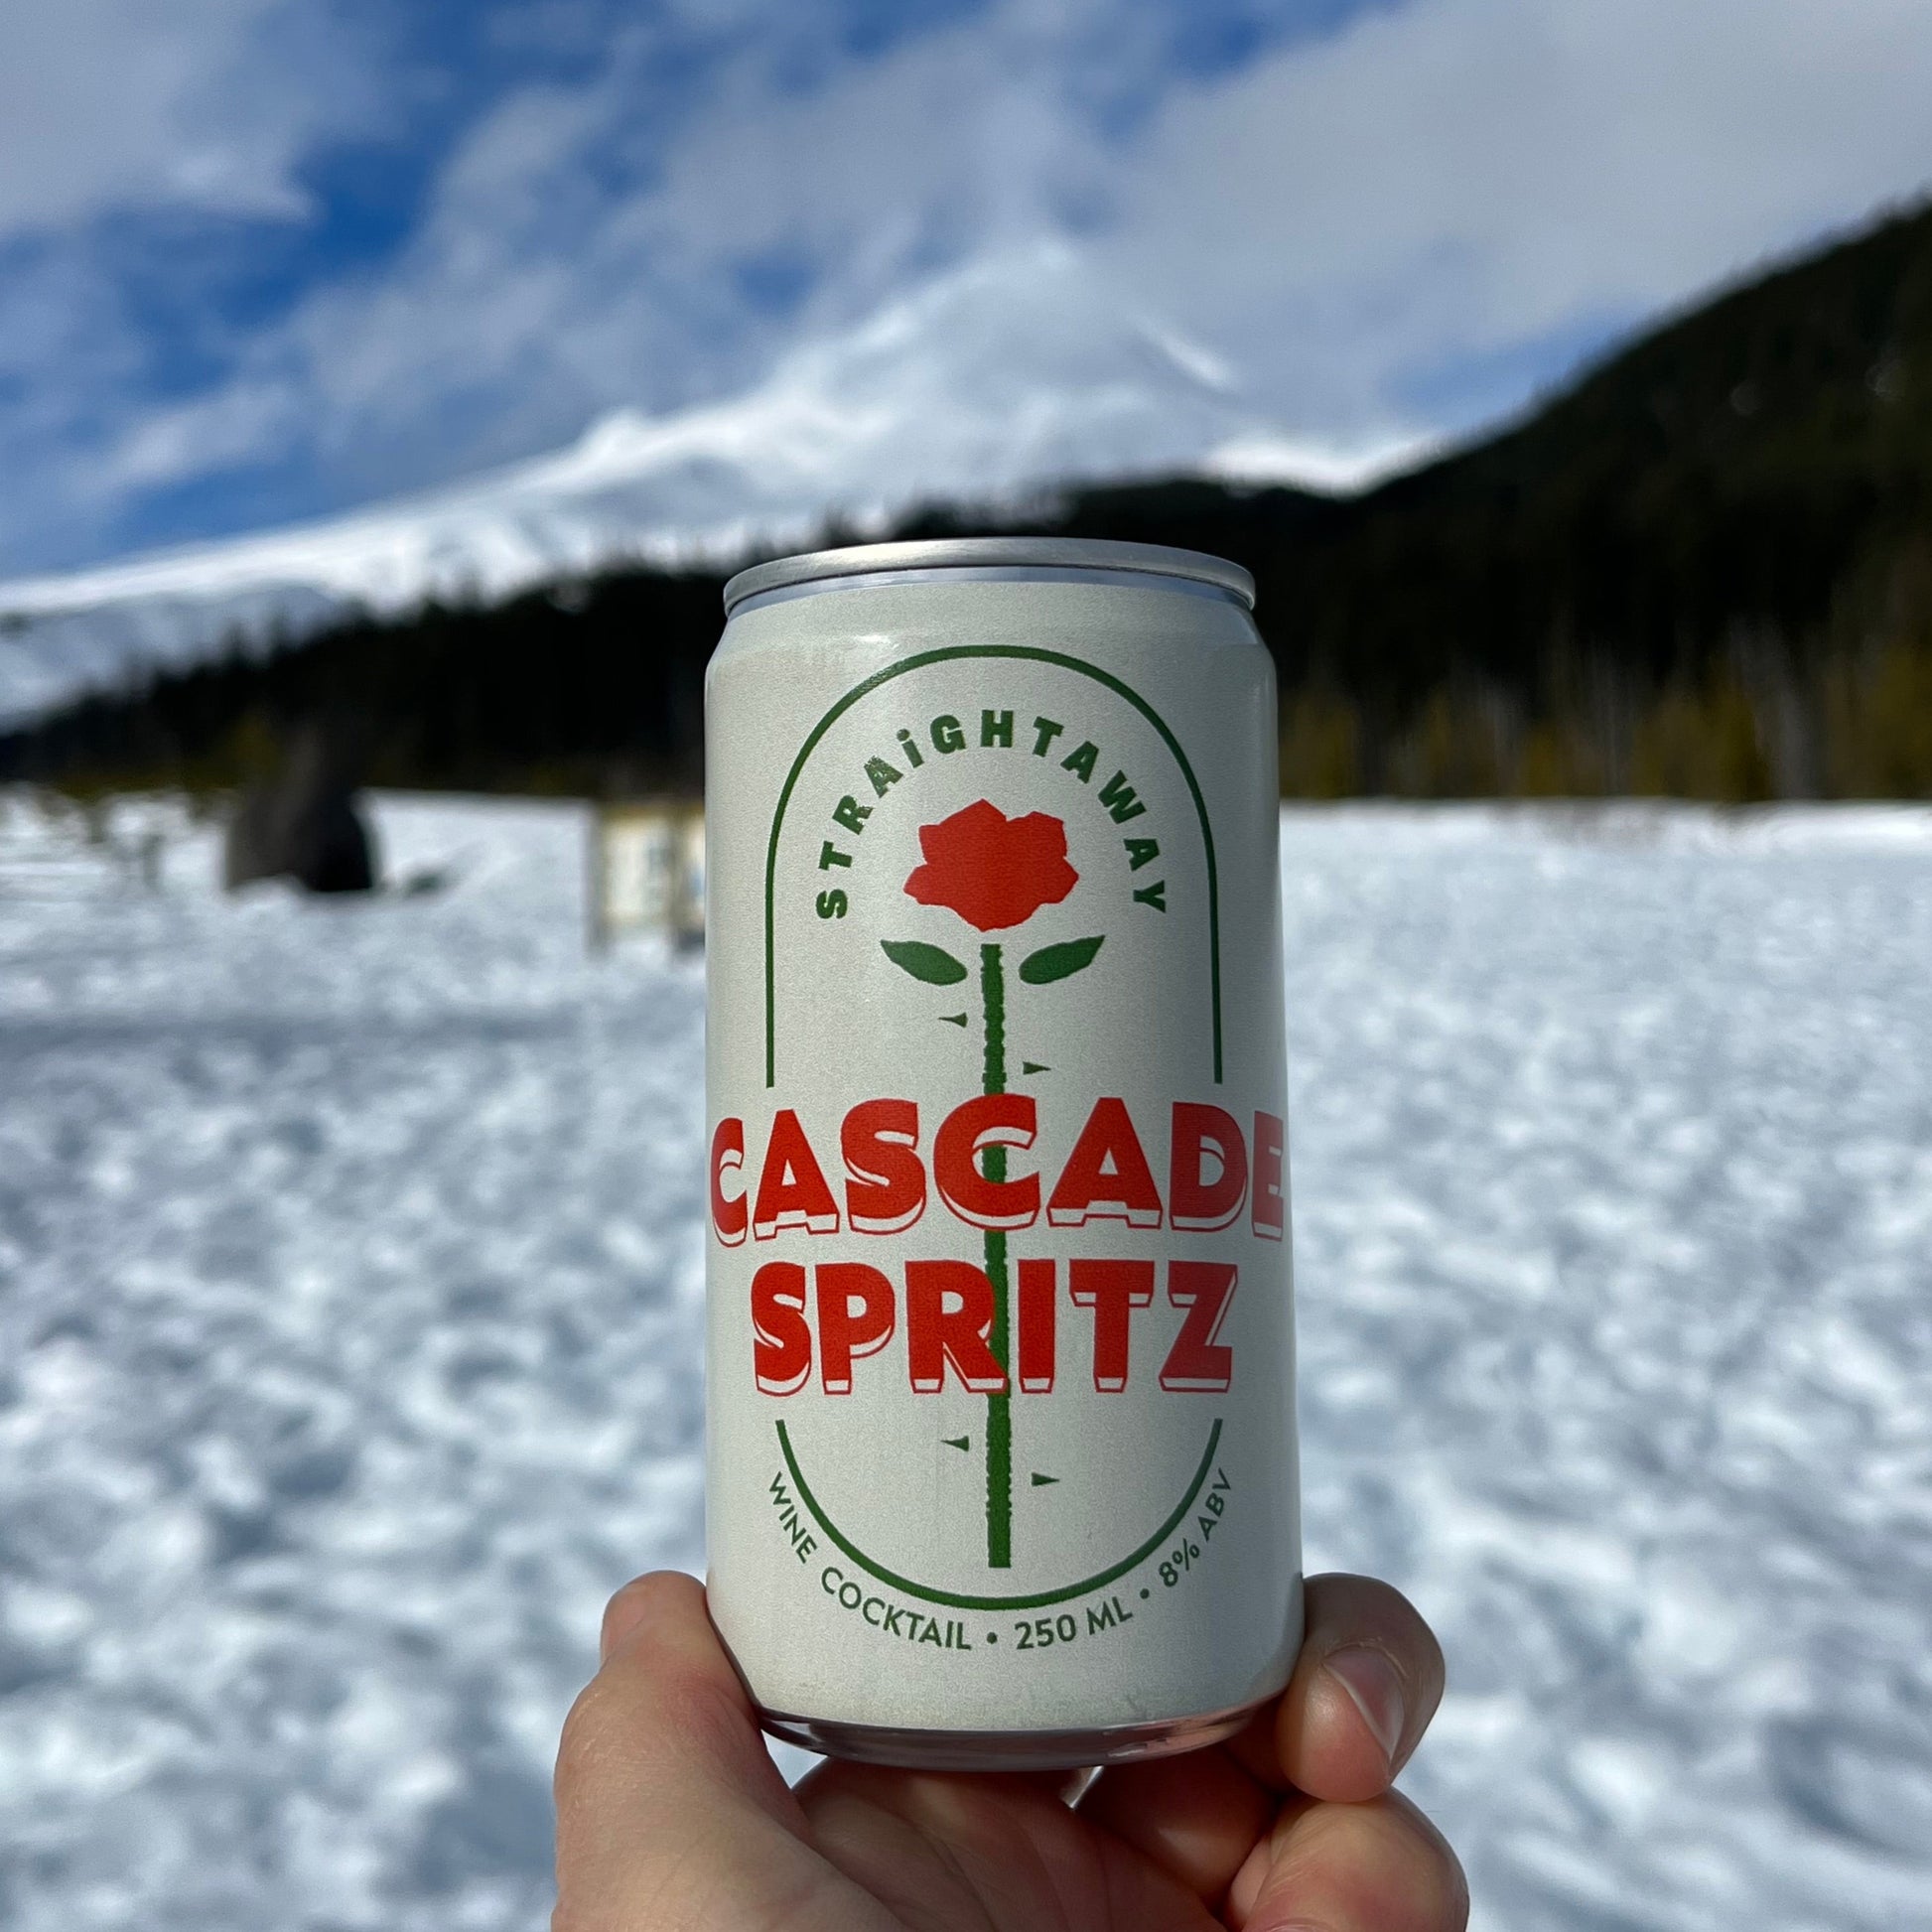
[1006, 373]
[1001, 374]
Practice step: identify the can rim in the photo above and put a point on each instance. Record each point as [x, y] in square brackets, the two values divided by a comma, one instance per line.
[980, 553]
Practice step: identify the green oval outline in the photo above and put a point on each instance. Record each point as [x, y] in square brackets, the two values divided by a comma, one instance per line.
[956, 1601]
[945, 655]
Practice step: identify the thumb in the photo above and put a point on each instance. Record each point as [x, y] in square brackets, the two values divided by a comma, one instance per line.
[669, 1809]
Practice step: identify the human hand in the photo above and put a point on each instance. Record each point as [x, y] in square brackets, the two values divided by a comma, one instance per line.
[671, 1815]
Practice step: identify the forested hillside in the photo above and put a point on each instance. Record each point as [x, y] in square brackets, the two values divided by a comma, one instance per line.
[1705, 570]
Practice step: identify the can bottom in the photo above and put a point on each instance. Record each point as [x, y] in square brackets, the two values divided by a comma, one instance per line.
[1007, 1751]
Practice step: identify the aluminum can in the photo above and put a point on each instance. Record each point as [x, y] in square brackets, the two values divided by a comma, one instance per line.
[1001, 1418]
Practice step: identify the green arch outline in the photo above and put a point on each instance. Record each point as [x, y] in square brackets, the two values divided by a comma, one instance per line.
[956, 1601]
[941, 657]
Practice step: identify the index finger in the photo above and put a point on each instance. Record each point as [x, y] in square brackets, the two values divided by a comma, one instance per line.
[1365, 1686]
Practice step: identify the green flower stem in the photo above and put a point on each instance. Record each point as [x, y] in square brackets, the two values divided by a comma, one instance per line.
[998, 1418]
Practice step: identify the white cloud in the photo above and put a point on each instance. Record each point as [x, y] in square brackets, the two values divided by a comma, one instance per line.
[1468, 174]
[119, 103]
[234, 426]
[528, 302]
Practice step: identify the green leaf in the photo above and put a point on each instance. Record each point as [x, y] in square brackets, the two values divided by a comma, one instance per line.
[1059, 962]
[924, 962]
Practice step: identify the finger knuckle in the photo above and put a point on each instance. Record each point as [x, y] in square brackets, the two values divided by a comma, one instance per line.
[1420, 1883]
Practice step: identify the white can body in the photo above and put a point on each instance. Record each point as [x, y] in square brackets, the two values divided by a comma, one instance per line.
[1001, 1420]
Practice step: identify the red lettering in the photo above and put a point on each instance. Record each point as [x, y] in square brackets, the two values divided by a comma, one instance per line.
[1196, 1361]
[885, 1188]
[1106, 1176]
[948, 1316]
[848, 1333]
[1271, 1203]
[781, 1348]
[1112, 1289]
[791, 1185]
[993, 1120]
[1194, 1200]
[1039, 1287]
[729, 1214]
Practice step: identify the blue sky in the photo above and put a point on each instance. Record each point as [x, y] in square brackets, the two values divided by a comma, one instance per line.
[262, 260]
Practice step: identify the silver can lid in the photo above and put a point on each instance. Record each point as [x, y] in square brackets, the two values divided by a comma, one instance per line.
[994, 554]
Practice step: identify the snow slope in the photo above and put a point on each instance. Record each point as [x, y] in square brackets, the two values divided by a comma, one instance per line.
[350, 1295]
[1010, 373]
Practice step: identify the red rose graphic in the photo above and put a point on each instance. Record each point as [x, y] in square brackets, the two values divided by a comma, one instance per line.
[994, 870]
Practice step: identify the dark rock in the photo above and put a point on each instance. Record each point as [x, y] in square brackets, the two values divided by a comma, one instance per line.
[305, 825]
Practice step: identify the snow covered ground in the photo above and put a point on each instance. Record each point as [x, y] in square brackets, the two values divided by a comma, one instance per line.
[349, 1290]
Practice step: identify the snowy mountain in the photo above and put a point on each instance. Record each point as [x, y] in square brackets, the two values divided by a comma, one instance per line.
[1005, 375]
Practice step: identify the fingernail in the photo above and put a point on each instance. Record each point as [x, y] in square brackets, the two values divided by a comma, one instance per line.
[1375, 1691]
